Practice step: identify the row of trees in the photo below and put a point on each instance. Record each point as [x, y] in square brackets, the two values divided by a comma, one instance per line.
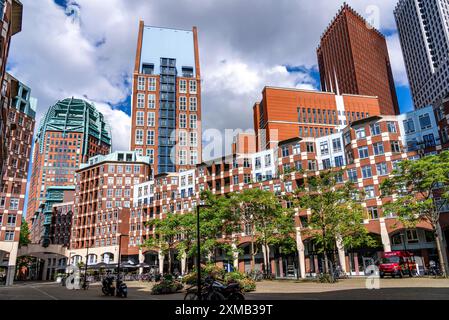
[335, 214]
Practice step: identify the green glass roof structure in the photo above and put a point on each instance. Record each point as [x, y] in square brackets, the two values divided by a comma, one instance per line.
[74, 115]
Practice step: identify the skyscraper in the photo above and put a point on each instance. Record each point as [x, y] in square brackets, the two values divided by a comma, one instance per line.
[70, 133]
[423, 27]
[166, 100]
[353, 59]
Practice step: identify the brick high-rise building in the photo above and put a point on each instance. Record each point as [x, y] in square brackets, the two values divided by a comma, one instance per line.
[353, 59]
[70, 133]
[423, 27]
[10, 24]
[19, 134]
[166, 100]
[285, 113]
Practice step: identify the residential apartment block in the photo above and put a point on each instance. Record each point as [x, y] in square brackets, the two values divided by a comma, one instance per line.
[366, 152]
[166, 99]
[104, 196]
[423, 27]
[353, 59]
[19, 134]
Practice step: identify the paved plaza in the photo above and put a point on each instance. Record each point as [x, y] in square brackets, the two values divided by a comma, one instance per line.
[352, 289]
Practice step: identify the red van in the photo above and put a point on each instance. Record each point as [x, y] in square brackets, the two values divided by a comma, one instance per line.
[397, 263]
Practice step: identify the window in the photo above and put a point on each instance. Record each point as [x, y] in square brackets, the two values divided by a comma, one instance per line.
[14, 204]
[267, 160]
[182, 120]
[235, 179]
[311, 165]
[183, 103]
[11, 220]
[140, 100]
[140, 118]
[288, 186]
[375, 129]
[324, 148]
[395, 147]
[412, 236]
[183, 86]
[193, 157]
[429, 140]
[193, 119]
[360, 133]
[285, 151]
[193, 104]
[336, 145]
[363, 152]
[409, 126]
[150, 153]
[373, 213]
[139, 136]
[9, 236]
[378, 148]
[369, 192]
[296, 149]
[151, 119]
[140, 83]
[151, 101]
[182, 157]
[391, 127]
[310, 146]
[182, 138]
[326, 164]
[150, 137]
[193, 139]
[424, 121]
[382, 169]
[151, 84]
[366, 172]
[246, 178]
[339, 162]
[352, 175]
[258, 163]
[192, 86]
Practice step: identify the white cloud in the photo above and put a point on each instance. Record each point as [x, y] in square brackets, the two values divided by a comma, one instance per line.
[244, 45]
[397, 60]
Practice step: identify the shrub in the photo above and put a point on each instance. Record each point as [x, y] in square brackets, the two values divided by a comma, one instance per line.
[326, 278]
[166, 287]
[246, 283]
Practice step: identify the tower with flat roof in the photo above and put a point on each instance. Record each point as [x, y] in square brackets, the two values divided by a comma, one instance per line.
[166, 98]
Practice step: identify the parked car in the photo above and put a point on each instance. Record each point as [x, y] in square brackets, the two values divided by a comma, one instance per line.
[397, 263]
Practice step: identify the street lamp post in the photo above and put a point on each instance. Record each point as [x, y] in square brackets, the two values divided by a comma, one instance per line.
[198, 258]
[403, 237]
[85, 265]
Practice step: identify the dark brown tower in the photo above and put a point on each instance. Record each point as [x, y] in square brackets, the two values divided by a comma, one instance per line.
[353, 59]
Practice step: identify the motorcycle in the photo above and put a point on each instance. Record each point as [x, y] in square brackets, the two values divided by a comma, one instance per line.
[108, 286]
[122, 289]
[231, 291]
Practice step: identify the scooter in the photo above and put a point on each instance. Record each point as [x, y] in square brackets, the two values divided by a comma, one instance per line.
[122, 289]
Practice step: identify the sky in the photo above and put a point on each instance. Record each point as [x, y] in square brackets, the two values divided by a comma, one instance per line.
[86, 49]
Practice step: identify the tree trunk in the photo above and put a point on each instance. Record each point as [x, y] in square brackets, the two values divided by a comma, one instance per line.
[169, 261]
[267, 260]
[253, 256]
[439, 243]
